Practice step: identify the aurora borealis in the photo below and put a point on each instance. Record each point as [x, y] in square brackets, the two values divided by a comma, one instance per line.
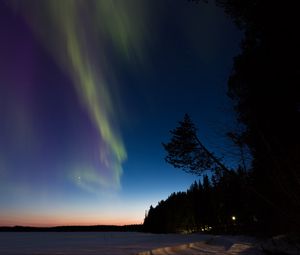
[73, 44]
[89, 90]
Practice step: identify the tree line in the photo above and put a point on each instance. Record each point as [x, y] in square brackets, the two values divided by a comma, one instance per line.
[214, 205]
[264, 86]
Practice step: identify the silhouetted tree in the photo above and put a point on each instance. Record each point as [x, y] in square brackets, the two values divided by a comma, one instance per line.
[205, 206]
[264, 86]
[187, 152]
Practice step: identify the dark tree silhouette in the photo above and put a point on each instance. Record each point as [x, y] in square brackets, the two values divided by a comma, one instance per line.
[187, 152]
[206, 206]
[264, 85]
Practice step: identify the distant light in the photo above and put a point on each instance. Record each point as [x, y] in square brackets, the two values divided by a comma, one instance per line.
[233, 217]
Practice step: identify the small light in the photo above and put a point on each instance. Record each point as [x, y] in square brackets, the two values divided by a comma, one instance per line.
[233, 218]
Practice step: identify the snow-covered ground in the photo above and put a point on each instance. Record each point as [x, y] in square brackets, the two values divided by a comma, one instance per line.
[87, 243]
[115, 243]
[214, 245]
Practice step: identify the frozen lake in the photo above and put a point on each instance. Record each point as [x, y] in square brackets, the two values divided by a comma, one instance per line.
[87, 243]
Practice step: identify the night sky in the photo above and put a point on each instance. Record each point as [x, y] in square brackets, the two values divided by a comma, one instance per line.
[88, 92]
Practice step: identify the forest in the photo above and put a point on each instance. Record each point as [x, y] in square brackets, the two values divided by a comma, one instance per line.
[263, 197]
[215, 205]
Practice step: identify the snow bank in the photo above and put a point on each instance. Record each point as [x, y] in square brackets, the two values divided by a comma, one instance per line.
[282, 244]
[215, 245]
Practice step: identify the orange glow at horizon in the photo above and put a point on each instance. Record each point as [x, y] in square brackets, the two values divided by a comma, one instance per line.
[61, 222]
[52, 221]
